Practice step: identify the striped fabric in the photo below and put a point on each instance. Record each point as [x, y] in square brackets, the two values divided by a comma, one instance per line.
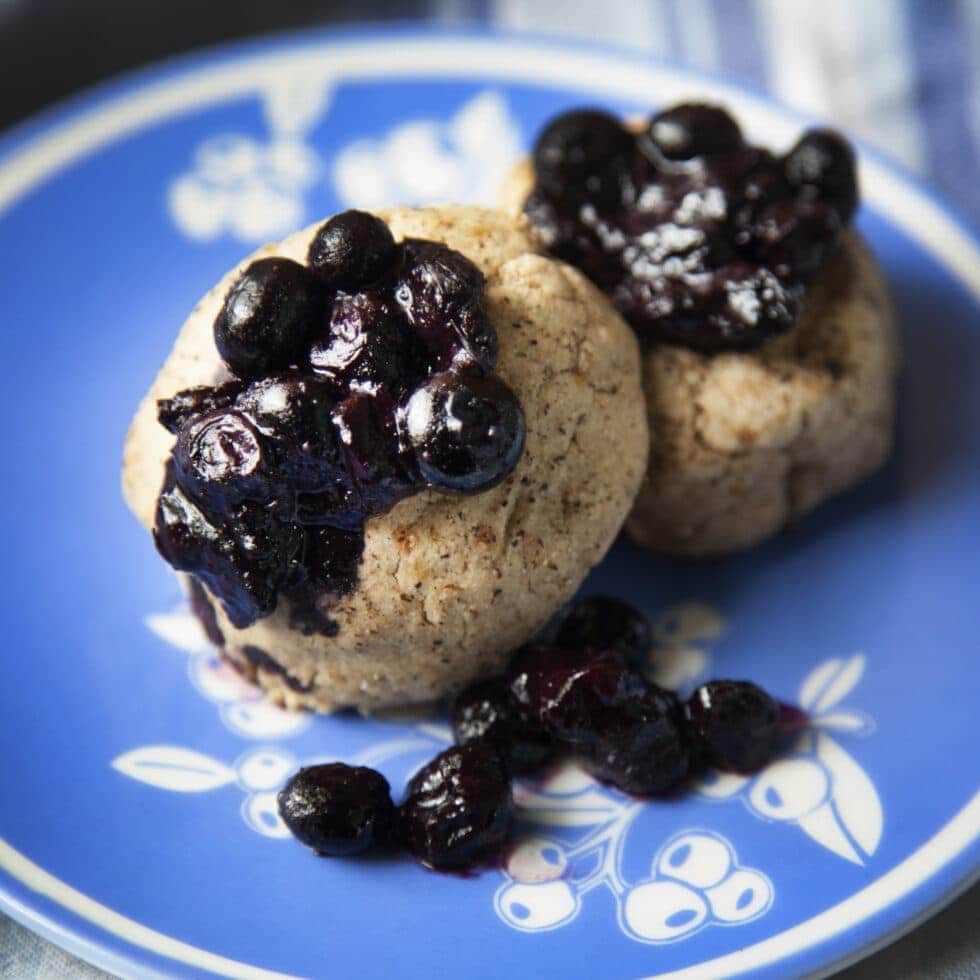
[903, 75]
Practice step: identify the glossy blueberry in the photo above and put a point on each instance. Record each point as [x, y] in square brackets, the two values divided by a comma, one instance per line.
[268, 317]
[220, 459]
[573, 695]
[735, 724]
[694, 130]
[173, 412]
[366, 346]
[822, 168]
[487, 710]
[366, 427]
[294, 412]
[458, 808]
[645, 748]
[583, 154]
[242, 558]
[338, 810]
[442, 294]
[603, 623]
[351, 250]
[467, 431]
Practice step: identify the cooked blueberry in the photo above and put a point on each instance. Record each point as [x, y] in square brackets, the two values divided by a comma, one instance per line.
[486, 710]
[822, 168]
[268, 317]
[366, 346]
[327, 570]
[604, 623]
[735, 723]
[338, 810]
[442, 293]
[243, 559]
[467, 431]
[366, 426]
[746, 306]
[295, 414]
[645, 749]
[694, 130]
[220, 459]
[573, 695]
[458, 808]
[173, 412]
[792, 239]
[710, 241]
[583, 154]
[351, 250]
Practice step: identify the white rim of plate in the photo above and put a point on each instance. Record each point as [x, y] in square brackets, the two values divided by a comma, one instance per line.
[240, 70]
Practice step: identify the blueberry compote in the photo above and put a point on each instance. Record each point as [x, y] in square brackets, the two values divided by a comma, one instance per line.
[359, 378]
[578, 691]
[698, 237]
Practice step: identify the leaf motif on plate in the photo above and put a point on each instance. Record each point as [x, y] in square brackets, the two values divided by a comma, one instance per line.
[830, 683]
[846, 720]
[854, 796]
[174, 768]
[823, 826]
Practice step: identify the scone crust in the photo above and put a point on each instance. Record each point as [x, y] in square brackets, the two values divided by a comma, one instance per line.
[745, 443]
[449, 585]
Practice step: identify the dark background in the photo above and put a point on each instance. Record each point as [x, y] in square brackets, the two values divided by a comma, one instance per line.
[50, 49]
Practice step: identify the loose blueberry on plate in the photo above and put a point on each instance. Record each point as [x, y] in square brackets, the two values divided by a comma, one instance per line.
[458, 808]
[735, 723]
[338, 810]
[603, 623]
[646, 750]
[487, 710]
[573, 695]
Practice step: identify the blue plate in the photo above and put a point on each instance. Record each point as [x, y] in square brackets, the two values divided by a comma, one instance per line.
[137, 817]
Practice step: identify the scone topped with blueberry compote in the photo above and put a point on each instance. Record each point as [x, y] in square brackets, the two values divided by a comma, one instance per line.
[386, 450]
[769, 346]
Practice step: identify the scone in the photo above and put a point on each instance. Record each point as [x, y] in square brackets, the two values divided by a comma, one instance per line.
[769, 345]
[381, 507]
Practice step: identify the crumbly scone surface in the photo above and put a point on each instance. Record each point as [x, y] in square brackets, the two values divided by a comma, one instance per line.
[449, 585]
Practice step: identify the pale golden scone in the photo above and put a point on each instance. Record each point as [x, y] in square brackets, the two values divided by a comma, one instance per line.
[450, 585]
[744, 443]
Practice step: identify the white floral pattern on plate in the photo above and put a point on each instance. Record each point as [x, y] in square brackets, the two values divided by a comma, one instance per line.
[422, 161]
[250, 189]
[255, 190]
